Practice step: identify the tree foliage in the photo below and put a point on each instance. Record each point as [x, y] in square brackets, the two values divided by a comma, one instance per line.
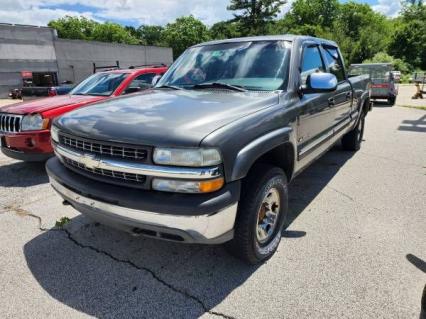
[113, 32]
[321, 13]
[253, 15]
[359, 31]
[362, 33]
[151, 34]
[85, 29]
[74, 27]
[225, 30]
[409, 38]
[383, 57]
[183, 33]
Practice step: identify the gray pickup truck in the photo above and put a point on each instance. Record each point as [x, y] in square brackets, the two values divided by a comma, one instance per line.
[207, 155]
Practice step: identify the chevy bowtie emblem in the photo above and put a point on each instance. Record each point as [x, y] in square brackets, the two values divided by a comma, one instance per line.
[90, 161]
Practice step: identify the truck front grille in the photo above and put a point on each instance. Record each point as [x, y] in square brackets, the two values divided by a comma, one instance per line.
[10, 123]
[107, 173]
[101, 148]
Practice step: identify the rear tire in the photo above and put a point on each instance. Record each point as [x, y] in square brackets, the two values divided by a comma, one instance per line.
[261, 214]
[392, 101]
[353, 139]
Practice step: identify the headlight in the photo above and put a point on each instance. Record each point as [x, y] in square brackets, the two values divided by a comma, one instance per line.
[180, 186]
[34, 123]
[200, 157]
[54, 134]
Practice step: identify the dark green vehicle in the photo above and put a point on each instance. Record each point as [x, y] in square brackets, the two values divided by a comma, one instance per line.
[208, 154]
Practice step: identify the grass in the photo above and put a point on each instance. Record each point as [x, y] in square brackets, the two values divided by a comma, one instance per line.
[414, 107]
[62, 222]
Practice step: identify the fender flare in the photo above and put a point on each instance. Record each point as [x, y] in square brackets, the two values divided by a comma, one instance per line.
[256, 148]
[365, 98]
[356, 115]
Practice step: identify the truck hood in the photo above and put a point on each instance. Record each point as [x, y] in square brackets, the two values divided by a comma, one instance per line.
[49, 103]
[164, 117]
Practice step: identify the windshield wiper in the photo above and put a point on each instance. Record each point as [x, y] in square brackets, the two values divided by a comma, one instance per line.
[219, 85]
[168, 87]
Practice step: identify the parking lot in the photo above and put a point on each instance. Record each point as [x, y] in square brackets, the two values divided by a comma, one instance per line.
[355, 246]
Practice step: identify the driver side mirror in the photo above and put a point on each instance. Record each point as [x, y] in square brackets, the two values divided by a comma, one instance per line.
[320, 83]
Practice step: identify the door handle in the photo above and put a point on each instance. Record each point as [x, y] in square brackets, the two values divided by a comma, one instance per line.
[331, 101]
[348, 95]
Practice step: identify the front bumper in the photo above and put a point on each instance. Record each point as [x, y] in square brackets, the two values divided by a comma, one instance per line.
[32, 146]
[26, 157]
[203, 219]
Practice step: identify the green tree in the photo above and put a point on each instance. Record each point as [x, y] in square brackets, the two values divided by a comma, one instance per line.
[318, 13]
[86, 29]
[255, 16]
[113, 32]
[383, 57]
[133, 32]
[74, 27]
[225, 30]
[408, 41]
[360, 31]
[183, 33]
[151, 34]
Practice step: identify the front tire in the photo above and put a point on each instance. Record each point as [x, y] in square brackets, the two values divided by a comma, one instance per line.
[353, 139]
[261, 214]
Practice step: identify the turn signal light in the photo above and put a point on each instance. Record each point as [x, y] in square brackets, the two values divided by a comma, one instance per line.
[211, 185]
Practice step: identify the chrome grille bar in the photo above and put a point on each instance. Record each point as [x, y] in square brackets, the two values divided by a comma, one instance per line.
[128, 153]
[130, 167]
[108, 173]
[10, 123]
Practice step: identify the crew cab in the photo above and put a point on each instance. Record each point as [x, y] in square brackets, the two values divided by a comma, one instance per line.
[25, 126]
[207, 155]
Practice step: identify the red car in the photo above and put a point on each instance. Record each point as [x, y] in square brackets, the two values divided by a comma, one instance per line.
[25, 126]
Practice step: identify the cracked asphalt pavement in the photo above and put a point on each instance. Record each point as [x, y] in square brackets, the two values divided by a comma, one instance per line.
[354, 247]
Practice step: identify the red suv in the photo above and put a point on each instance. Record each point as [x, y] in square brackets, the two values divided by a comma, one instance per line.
[25, 126]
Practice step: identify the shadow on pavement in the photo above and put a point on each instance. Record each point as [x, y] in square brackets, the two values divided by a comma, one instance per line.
[305, 187]
[417, 262]
[106, 273]
[381, 104]
[23, 174]
[414, 125]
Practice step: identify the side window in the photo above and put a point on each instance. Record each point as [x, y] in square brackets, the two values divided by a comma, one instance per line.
[311, 62]
[142, 82]
[334, 63]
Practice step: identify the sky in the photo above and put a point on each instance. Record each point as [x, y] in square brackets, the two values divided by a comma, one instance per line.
[137, 12]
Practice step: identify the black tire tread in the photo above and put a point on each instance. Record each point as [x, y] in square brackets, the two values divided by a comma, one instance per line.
[350, 140]
[252, 186]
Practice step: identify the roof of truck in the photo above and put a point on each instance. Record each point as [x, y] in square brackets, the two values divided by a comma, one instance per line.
[284, 37]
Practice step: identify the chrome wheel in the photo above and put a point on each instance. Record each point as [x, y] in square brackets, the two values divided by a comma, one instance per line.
[268, 215]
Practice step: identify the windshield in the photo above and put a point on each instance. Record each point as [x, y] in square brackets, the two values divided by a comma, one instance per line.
[102, 84]
[259, 65]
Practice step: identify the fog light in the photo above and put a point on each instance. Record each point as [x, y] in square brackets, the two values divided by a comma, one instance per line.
[179, 186]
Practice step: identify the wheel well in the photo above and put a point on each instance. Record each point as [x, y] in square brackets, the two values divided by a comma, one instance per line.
[281, 156]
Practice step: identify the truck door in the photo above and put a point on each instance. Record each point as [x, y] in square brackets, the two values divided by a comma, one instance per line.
[341, 102]
[315, 123]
